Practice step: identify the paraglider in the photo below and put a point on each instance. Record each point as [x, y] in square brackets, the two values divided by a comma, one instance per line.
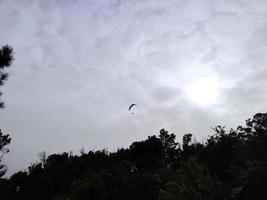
[131, 106]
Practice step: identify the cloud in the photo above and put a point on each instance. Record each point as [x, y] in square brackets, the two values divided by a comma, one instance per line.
[80, 64]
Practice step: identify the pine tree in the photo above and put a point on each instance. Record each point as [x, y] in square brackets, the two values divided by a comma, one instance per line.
[6, 58]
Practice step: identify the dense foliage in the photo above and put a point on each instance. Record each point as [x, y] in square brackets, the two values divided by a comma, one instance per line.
[229, 165]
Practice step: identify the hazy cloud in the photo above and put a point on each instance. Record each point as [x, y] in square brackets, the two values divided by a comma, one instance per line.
[80, 64]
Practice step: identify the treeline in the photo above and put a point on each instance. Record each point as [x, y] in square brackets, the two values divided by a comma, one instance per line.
[229, 165]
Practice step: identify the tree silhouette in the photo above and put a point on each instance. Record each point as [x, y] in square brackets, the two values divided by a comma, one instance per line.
[229, 165]
[4, 140]
[6, 57]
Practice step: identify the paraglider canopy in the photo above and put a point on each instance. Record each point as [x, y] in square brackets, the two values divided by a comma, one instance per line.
[131, 106]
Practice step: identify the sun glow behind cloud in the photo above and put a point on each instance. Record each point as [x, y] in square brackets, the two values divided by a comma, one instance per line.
[203, 91]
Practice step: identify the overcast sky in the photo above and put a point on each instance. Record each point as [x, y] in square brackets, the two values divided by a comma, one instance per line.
[188, 64]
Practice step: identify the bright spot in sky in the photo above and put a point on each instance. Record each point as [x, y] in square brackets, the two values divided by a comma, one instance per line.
[203, 92]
